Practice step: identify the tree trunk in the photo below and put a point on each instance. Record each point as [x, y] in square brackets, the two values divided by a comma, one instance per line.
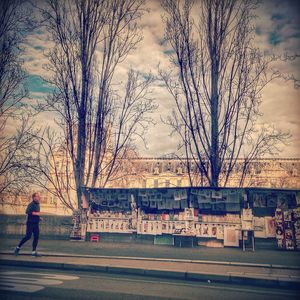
[80, 161]
[214, 155]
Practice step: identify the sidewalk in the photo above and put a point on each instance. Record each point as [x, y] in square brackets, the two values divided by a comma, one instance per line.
[264, 268]
[260, 256]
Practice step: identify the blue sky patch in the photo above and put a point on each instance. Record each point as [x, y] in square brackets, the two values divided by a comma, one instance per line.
[169, 52]
[258, 30]
[277, 17]
[36, 84]
[38, 47]
[274, 38]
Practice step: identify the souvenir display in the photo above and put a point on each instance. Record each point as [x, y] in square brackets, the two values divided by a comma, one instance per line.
[107, 221]
[289, 230]
[76, 230]
[201, 212]
[285, 229]
[296, 213]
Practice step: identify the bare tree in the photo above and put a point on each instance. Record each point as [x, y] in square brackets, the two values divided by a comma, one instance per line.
[15, 156]
[15, 141]
[100, 118]
[217, 86]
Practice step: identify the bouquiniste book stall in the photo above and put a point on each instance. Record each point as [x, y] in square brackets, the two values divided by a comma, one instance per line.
[223, 214]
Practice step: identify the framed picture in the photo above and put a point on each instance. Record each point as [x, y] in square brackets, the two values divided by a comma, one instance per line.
[270, 227]
[220, 232]
[259, 227]
[189, 214]
[231, 236]
[206, 230]
[214, 230]
[198, 229]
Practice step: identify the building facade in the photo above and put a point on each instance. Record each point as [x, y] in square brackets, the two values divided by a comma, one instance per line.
[139, 172]
[172, 172]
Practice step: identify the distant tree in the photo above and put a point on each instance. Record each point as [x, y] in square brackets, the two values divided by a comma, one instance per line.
[216, 86]
[100, 118]
[16, 142]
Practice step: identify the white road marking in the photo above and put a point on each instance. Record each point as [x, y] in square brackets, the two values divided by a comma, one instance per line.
[26, 288]
[45, 275]
[30, 282]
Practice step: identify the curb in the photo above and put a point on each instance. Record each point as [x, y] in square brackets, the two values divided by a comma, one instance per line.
[272, 266]
[244, 279]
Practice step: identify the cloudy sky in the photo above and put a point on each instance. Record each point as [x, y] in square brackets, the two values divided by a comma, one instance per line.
[277, 30]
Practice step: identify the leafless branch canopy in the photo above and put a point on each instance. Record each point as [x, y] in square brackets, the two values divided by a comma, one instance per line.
[217, 85]
[15, 127]
[100, 117]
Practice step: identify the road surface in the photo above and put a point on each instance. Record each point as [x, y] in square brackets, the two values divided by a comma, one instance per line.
[29, 283]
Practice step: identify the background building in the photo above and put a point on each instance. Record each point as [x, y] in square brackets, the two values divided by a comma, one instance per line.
[143, 172]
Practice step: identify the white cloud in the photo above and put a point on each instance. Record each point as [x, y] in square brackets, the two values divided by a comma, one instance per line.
[280, 103]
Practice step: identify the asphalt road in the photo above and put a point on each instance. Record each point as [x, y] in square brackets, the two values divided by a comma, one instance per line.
[28, 283]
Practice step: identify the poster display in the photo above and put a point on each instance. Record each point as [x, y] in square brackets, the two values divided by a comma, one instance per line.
[201, 212]
[286, 233]
[76, 229]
